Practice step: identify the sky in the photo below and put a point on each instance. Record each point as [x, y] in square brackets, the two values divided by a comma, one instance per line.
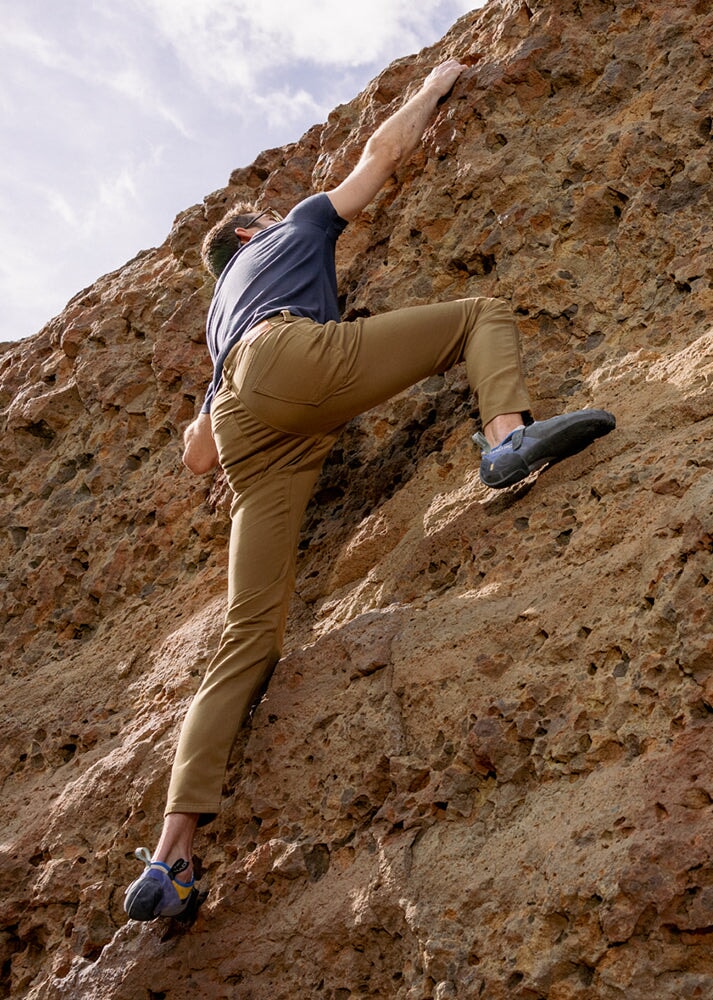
[116, 116]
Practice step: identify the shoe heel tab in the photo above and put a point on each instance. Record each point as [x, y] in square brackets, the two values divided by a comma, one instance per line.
[143, 854]
[482, 442]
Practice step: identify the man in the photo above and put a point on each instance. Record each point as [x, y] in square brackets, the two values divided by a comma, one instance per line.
[288, 376]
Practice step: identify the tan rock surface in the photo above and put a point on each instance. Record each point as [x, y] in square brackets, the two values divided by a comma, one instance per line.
[483, 768]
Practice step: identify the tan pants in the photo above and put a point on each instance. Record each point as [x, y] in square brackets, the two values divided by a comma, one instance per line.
[282, 402]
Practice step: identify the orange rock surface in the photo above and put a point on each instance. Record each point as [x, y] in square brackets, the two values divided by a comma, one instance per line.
[483, 767]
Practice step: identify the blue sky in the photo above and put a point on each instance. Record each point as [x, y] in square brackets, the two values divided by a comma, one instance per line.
[115, 116]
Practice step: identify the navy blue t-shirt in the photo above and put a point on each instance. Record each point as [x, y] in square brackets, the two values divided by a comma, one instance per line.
[289, 265]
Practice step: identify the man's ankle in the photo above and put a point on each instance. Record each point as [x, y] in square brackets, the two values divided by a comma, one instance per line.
[497, 429]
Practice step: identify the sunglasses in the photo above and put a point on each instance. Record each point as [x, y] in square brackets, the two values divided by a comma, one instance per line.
[270, 212]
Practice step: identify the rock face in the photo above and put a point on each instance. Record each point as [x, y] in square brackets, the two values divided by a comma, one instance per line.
[483, 767]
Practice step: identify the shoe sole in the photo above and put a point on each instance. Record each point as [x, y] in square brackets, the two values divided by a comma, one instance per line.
[575, 433]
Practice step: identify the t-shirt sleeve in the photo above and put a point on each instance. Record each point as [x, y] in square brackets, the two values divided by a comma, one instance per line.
[318, 210]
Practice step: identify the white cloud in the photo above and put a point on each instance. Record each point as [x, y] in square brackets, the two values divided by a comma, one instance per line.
[117, 192]
[281, 107]
[130, 82]
[58, 205]
[234, 45]
[30, 43]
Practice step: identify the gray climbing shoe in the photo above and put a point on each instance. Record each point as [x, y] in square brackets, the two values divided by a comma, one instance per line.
[157, 892]
[542, 443]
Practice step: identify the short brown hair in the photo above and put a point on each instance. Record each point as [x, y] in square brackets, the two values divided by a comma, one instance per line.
[222, 242]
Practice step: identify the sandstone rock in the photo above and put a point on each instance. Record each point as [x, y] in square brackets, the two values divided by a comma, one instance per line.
[483, 767]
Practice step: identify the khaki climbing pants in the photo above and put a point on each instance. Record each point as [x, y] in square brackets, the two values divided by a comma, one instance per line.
[283, 399]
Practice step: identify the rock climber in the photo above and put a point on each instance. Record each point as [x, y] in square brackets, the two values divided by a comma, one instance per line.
[288, 375]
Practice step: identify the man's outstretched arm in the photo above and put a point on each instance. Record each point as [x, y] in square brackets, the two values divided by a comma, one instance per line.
[393, 142]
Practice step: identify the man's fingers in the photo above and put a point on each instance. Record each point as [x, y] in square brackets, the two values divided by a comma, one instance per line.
[445, 75]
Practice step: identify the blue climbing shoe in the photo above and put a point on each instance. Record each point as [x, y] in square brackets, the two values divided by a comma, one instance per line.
[542, 443]
[157, 892]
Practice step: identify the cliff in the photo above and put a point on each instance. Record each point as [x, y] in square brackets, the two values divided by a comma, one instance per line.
[483, 767]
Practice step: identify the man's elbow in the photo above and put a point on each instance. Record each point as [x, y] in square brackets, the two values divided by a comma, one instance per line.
[385, 154]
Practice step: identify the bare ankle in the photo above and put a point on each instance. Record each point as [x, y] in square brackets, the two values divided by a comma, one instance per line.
[500, 426]
[176, 840]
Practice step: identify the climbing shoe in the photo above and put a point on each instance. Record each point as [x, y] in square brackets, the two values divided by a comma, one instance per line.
[542, 443]
[157, 892]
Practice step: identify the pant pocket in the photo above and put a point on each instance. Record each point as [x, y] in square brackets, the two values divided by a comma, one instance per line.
[243, 442]
[297, 365]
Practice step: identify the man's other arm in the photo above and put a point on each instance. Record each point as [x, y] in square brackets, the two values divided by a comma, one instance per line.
[393, 142]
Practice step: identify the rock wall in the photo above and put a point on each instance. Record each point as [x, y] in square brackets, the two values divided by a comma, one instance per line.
[483, 767]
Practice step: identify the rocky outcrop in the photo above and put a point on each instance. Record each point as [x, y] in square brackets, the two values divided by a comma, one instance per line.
[483, 767]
